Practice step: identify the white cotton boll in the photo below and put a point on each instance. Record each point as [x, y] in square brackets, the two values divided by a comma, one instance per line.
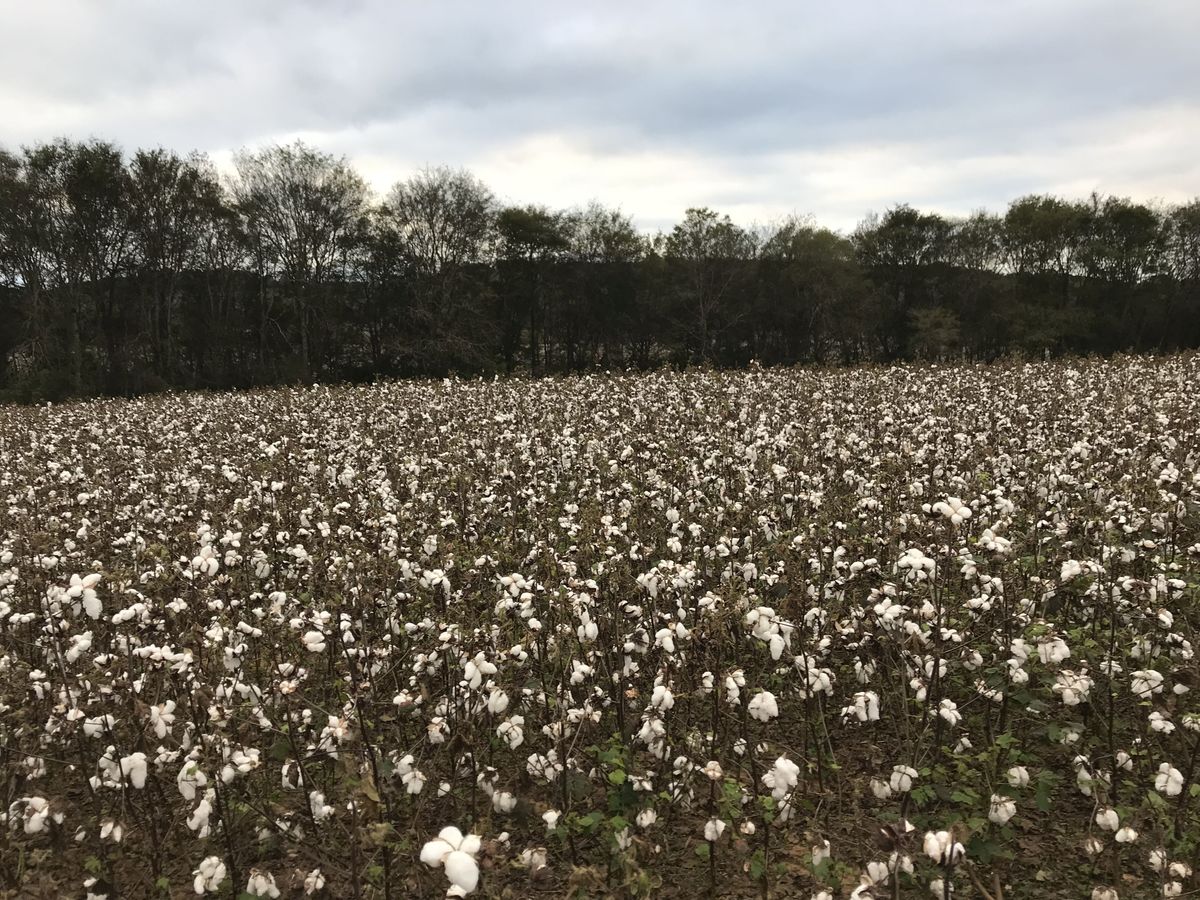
[1001, 809]
[763, 707]
[1146, 682]
[462, 871]
[320, 809]
[881, 789]
[314, 882]
[512, 732]
[98, 726]
[450, 849]
[551, 817]
[534, 858]
[877, 872]
[953, 509]
[1018, 776]
[198, 820]
[189, 779]
[777, 643]
[865, 707]
[476, 669]
[948, 711]
[781, 778]
[941, 847]
[1160, 723]
[1169, 780]
[1102, 892]
[314, 641]
[503, 802]
[208, 875]
[713, 829]
[902, 779]
[36, 812]
[646, 818]
[133, 767]
[661, 698]
[820, 853]
[1126, 835]
[1106, 818]
[261, 884]
[497, 702]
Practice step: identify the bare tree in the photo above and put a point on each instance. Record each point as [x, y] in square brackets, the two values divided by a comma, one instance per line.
[302, 210]
[445, 220]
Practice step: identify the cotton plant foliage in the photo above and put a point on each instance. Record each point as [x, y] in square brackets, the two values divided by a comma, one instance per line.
[915, 631]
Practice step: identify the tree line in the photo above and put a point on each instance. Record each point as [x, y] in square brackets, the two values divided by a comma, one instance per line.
[122, 274]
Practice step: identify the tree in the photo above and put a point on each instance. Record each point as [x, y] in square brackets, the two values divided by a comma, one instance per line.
[816, 292]
[709, 254]
[445, 219]
[530, 241]
[171, 202]
[303, 212]
[903, 253]
[604, 311]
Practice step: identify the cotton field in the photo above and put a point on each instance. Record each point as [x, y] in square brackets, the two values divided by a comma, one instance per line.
[874, 633]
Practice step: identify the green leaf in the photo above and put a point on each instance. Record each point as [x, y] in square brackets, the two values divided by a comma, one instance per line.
[757, 867]
[1043, 796]
[702, 850]
[616, 776]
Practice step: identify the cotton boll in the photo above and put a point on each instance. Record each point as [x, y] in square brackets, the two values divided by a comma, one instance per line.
[208, 875]
[261, 884]
[1018, 776]
[713, 829]
[763, 707]
[133, 767]
[1169, 780]
[1001, 809]
[456, 853]
[902, 779]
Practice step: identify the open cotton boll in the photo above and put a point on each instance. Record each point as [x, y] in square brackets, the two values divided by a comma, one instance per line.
[208, 875]
[133, 767]
[763, 706]
[456, 853]
[953, 509]
[713, 829]
[1169, 780]
[941, 847]
[902, 779]
[262, 884]
[1001, 809]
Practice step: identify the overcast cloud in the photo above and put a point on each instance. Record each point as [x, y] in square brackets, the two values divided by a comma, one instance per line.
[757, 109]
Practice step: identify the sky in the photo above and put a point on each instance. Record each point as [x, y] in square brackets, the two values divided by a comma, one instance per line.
[759, 110]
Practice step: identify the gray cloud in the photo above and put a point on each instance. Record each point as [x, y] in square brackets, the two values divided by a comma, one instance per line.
[759, 109]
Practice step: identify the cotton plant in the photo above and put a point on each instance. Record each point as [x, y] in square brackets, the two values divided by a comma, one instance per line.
[360, 601]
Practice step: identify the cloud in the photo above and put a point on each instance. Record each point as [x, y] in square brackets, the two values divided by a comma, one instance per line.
[757, 109]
